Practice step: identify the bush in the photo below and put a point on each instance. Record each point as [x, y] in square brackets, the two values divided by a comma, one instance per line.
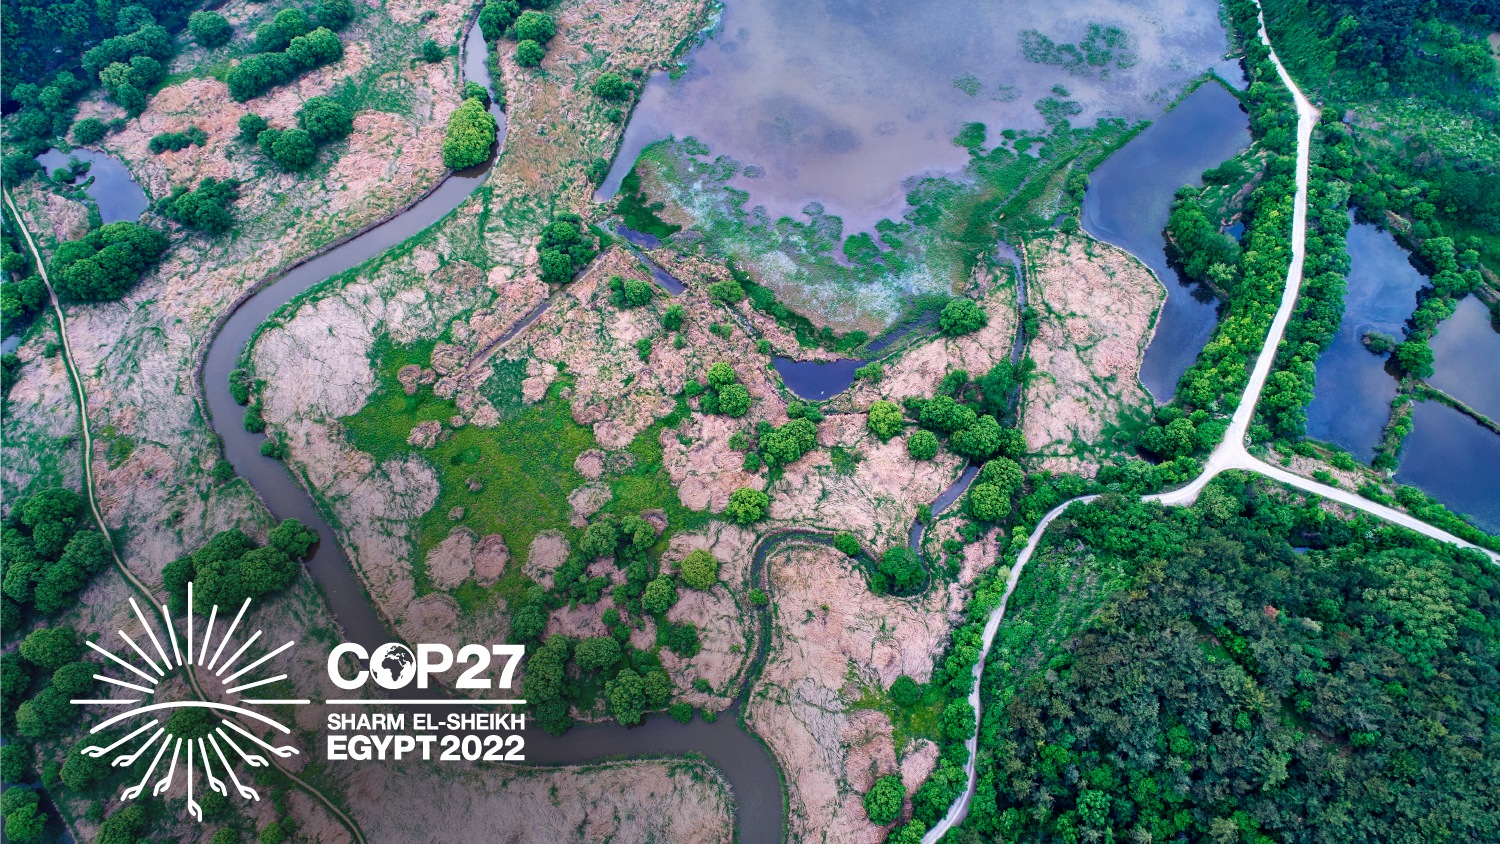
[24, 820]
[177, 140]
[325, 119]
[318, 47]
[847, 543]
[979, 441]
[471, 133]
[292, 23]
[637, 292]
[961, 316]
[597, 654]
[759, 598]
[294, 150]
[102, 265]
[905, 691]
[721, 374]
[89, 130]
[659, 596]
[535, 26]
[210, 29]
[564, 249]
[530, 54]
[206, 208]
[883, 802]
[700, 570]
[611, 86]
[747, 505]
[884, 420]
[681, 712]
[922, 445]
[729, 292]
[431, 52]
[335, 14]
[734, 400]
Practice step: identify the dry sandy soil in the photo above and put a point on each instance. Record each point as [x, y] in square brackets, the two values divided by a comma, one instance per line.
[1098, 305]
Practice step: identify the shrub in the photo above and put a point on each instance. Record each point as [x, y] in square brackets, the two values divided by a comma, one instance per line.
[102, 265]
[611, 86]
[729, 292]
[961, 316]
[89, 130]
[535, 26]
[747, 505]
[51, 648]
[978, 441]
[292, 23]
[564, 249]
[206, 208]
[325, 119]
[884, 420]
[258, 74]
[922, 445]
[905, 691]
[637, 292]
[721, 374]
[597, 653]
[210, 29]
[681, 712]
[883, 802]
[626, 695]
[672, 319]
[659, 596]
[270, 39]
[780, 446]
[471, 133]
[24, 820]
[530, 54]
[475, 91]
[700, 570]
[318, 47]
[431, 52]
[759, 598]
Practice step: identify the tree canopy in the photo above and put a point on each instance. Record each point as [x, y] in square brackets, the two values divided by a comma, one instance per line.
[961, 316]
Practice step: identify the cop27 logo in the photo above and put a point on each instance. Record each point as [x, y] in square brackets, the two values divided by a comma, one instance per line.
[393, 666]
[226, 743]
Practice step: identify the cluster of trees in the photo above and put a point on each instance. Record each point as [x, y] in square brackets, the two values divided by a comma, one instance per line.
[177, 140]
[132, 62]
[530, 29]
[22, 293]
[993, 494]
[471, 133]
[289, 45]
[723, 394]
[48, 554]
[1198, 247]
[1270, 695]
[103, 264]
[321, 120]
[210, 29]
[45, 113]
[205, 209]
[565, 248]
[231, 568]
[898, 571]
[965, 412]
[961, 316]
[636, 292]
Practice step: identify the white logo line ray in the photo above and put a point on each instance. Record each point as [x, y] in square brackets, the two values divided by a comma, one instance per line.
[208, 634]
[122, 683]
[256, 663]
[193, 704]
[147, 677]
[237, 654]
[242, 688]
[228, 633]
[128, 759]
[166, 782]
[96, 751]
[172, 633]
[135, 790]
[149, 632]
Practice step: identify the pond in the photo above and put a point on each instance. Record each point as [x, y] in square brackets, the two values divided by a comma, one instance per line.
[817, 380]
[113, 189]
[1129, 199]
[1452, 458]
[841, 102]
[1352, 397]
[1466, 358]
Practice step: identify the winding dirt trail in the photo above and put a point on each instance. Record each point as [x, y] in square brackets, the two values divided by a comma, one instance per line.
[1230, 454]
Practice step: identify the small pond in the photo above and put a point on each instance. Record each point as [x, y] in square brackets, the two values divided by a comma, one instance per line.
[817, 380]
[1130, 198]
[113, 189]
[1466, 358]
[1352, 398]
[1452, 458]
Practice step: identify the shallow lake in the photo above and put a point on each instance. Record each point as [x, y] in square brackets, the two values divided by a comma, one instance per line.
[817, 380]
[841, 102]
[113, 189]
[1452, 458]
[1130, 198]
[1466, 358]
[1352, 398]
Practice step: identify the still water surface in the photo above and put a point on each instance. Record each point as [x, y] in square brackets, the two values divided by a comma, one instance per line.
[113, 189]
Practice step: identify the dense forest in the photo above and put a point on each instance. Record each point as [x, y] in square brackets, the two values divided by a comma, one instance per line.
[1251, 669]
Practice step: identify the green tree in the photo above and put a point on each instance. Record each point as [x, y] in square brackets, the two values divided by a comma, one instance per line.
[611, 86]
[294, 150]
[961, 316]
[431, 52]
[270, 39]
[847, 543]
[316, 48]
[51, 648]
[700, 570]
[80, 771]
[496, 17]
[292, 23]
[637, 292]
[535, 26]
[210, 29]
[659, 596]
[658, 688]
[1415, 358]
[104, 264]
[597, 653]
[979, 441]
[922, 445]
[272, 833]
[626, 695]
[15, 762]
[729, 291]
[946, 415]
[905, 691]
[292, 538]
[884, 420]
[335, 14]
[883, 801]
[721, 374]
[123, 826]
[1003, 472]
[325, 119]
[251, 125]
[529, 53]
[957, 721]
[24, 820]
[900, 569]
[988, 502]
[747, 505]
[89, 131]
[471, 133]
[734, 400]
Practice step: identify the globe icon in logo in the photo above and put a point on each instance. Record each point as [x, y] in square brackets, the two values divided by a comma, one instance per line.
[392, 665]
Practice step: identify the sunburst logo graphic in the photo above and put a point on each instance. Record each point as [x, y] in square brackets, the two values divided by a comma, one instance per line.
[225, 742]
